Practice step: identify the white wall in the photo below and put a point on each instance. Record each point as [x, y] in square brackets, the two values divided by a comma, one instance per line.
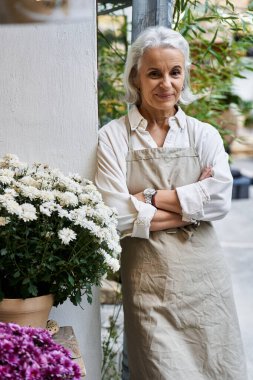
[48, 113]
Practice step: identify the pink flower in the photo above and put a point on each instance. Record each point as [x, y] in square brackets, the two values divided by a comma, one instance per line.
[31, 354]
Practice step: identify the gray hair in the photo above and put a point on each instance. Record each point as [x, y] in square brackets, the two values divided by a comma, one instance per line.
[158, 36]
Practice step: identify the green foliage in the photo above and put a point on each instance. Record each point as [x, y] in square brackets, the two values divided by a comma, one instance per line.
[219, 37]
[110, 346]
[112, 47]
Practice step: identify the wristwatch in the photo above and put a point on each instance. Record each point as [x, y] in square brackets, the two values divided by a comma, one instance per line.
[149, 194]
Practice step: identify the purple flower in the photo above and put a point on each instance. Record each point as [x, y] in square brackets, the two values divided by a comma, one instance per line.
[28, 353]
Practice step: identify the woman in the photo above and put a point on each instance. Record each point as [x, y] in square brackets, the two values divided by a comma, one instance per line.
[168, 176]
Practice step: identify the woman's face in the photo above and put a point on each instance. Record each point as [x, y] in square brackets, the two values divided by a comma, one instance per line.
[160, 78]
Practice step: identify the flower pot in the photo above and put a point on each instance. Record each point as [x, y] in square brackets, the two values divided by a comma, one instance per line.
[32, 312]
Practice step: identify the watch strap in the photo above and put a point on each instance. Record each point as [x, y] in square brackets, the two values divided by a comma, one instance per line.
[153, 200]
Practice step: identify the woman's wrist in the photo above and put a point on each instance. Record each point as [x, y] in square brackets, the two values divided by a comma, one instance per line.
[167, 200]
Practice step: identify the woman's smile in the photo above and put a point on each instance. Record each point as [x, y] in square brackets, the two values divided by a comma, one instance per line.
[164, 96]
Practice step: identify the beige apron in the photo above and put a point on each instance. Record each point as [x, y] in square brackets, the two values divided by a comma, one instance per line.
[180, 318]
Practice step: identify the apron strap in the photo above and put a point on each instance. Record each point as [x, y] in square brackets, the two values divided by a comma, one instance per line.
[128, 126]
[190, 134]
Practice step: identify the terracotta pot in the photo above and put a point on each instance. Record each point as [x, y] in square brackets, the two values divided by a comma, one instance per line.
[32, 312]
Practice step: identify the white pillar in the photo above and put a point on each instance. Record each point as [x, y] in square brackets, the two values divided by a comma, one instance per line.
[48, 109]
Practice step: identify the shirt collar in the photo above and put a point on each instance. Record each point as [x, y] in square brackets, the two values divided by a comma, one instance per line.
[137, 120]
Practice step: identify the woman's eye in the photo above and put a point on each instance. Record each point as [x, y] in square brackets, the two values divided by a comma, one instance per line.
[154, 74]
[176, 73]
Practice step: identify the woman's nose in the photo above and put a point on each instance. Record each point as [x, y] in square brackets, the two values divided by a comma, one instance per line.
[166, 82]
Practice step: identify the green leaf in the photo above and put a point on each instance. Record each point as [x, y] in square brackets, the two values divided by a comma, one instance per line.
[205, 18]
[230, 4]
[217, 56]
[3, 251]
[71, 279]
[33, 290]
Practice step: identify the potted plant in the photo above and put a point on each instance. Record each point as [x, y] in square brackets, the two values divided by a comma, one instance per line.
[31, 354]
[56, 234]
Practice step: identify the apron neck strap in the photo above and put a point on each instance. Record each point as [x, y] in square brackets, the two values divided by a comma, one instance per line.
[128, 126]
[190, 134]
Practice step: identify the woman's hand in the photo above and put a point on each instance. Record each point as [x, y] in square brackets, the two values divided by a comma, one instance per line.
[206, 173]
[164, 220]
[140, 196]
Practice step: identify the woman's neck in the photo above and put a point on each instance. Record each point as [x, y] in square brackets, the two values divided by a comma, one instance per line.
[157, 117]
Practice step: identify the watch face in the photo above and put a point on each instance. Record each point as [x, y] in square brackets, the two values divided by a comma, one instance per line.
[148, 194]
[149, 191]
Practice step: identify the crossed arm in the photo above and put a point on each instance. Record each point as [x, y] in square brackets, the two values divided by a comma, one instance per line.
[169, 210]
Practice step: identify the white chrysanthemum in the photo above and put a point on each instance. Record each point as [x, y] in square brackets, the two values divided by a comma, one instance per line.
[46, 196]
[29, 181]
[4, 221]
[55, 173]
[86, 182]
[45, 211]
[10, 193]
[47, 208]
[12, 207]
[76, 177]
[111, 237]
[91, 212]
[95, 196]
[3, 198]
[104, 215]
[42, 175]
[81, 220]
[84, 198]
[62, 182]
[69, 185]
[63, 213]
[7, 173]
[67, 199]
[72, 197]
[78, 215]
[11, 160]
[66, 235]
[9, 157]
[6, 180]
[28, 212]
[110, 261]
[29, 192]
[115, 247]
[75, 188]
[21, 168]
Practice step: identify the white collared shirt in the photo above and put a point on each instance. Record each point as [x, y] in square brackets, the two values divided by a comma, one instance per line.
[208, 200]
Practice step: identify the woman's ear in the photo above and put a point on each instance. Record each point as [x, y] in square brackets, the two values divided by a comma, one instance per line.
[134, 78]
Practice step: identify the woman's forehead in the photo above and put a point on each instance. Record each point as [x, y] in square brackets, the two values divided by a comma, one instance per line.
[160, 56]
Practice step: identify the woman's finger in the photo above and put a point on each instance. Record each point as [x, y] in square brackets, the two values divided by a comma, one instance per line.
[206, 173]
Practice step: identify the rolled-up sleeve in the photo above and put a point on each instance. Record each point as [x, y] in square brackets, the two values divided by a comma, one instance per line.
[134, 216]
[209, 199]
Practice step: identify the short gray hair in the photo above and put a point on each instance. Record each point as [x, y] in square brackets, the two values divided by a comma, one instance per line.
[158, 36]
